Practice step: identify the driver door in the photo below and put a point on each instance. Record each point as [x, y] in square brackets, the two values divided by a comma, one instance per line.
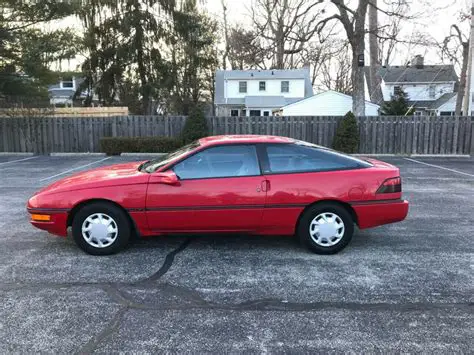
[220, 189]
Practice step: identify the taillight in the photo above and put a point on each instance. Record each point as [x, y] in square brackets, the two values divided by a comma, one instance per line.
[391, 186]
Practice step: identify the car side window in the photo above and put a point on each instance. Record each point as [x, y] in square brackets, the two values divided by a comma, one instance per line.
[291, 158]
[216, 162]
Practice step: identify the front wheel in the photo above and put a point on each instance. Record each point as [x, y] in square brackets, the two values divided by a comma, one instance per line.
[101, 229]
[326, 228]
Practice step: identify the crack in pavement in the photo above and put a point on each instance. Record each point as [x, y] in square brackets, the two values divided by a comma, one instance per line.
[110, 329]
[165, 267]
[112, 290]
[190, 299]
[272, 305]
[169, 259]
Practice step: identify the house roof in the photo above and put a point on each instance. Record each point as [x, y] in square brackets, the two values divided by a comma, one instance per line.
[264, 101]
[409, 74]
[223, 75]
[329, 92]
[433, 104]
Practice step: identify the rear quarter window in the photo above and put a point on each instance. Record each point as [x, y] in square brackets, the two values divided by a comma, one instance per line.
[291, 158]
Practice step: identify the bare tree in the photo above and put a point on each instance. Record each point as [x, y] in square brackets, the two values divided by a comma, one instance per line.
[456, 48]
[245, 50]
[286, 26]
[335, 72]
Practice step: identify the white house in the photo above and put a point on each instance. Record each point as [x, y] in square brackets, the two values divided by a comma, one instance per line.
[67, 90]
[259, 92]
[431, 89]
[329, 103]
[63, 92]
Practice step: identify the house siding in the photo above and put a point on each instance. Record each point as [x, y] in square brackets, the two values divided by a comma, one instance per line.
[419, 92]
[273, 88]
[326, 104]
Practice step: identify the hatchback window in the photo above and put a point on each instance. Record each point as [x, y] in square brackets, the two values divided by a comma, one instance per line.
[216, 162]
[290, 158]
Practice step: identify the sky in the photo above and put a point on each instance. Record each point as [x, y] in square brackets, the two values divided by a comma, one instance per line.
[436, 23]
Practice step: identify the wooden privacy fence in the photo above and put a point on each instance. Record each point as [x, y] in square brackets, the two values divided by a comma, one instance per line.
[378, 135]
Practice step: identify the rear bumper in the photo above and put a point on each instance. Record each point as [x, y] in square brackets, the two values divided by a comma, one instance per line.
[57, 225]
[377, 213]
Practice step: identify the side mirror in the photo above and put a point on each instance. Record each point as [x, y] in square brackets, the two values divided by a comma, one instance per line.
[165, 177]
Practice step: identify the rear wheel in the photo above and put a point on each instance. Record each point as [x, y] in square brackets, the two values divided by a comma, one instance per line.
[326, 228]
[101, 229]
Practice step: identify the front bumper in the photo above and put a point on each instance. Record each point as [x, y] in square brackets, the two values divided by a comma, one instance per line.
[56, 225]
[377, 213]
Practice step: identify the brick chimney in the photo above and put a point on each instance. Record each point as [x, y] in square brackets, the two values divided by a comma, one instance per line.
[418, 62]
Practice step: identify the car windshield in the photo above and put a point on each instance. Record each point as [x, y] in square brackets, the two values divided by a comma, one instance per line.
[153, 165]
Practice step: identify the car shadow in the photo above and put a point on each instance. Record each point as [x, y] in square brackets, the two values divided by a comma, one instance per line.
[221, 241]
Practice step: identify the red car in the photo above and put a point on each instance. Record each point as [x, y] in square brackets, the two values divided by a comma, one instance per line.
[261, 185]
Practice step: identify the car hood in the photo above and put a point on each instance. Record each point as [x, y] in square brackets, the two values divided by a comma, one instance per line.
[113, 175]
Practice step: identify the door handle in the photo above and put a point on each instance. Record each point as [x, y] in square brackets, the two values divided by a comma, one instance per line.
[265, 185]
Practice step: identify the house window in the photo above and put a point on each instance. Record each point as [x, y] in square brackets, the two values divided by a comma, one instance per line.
[397, 90]
[243, 112]
[242, 86]
[432, 91]
[234, 113]
[262, 85]
[446, 113]
[266, 113]
[285, 86]
[254, 112]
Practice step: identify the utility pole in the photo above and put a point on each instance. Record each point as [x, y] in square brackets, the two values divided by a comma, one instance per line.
[467, 107]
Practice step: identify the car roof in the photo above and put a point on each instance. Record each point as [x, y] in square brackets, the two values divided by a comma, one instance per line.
[243, 138]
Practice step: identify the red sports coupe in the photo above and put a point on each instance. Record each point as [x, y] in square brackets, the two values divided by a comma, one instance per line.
[261, 185]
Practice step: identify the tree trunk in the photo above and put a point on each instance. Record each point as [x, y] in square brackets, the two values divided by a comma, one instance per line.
[226, 36]
[280, 53]
[357, 41]
[358, 82]
[462, 82]
[375, 89]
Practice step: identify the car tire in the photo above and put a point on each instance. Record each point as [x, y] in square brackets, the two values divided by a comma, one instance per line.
[326, 228]
[101, 229]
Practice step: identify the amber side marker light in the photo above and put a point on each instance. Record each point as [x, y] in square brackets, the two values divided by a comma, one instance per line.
[41, 217]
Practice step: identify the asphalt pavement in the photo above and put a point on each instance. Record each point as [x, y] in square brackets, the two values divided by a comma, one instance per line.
[406, 287]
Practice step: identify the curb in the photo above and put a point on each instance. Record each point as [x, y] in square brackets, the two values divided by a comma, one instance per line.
[414, 155]
[77, 154]
[440, 156]
[140, 154]
[378, 155]
[16, 154]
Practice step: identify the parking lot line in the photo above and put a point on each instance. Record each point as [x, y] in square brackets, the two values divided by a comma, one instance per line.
[439, 167]
[17, 160]
[77, 168]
